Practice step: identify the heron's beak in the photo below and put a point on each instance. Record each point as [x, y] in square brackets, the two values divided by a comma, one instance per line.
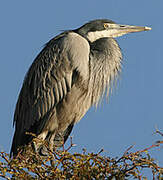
[117, 30]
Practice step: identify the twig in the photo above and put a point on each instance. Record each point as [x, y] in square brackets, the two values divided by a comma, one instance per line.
[158, 132]
[148, 148]
[102, 150]
[1, 175]
[127, 150]
[71, 145]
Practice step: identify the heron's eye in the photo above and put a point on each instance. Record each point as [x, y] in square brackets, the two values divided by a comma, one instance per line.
[106, 25]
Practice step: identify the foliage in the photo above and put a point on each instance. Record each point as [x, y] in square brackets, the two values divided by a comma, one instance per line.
[61, 164]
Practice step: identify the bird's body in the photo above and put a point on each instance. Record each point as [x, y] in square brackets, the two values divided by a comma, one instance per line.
[69, 75]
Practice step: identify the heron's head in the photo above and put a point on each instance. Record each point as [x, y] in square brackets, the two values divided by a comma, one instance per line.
[101, 28]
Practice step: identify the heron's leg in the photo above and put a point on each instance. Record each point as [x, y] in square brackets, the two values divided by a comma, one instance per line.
[51, 145]
[43, 150]
[37, 143]
[51, 141]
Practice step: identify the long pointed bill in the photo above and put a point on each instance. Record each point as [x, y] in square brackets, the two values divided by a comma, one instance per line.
[116, 30]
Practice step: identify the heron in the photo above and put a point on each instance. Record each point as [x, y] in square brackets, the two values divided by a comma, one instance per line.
[72, 72]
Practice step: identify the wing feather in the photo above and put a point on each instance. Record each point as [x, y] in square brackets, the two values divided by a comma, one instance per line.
[63, 84]
[60, 90]
[47, 83]
[56, 93]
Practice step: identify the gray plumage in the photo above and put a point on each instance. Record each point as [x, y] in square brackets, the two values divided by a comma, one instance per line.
[69, 75]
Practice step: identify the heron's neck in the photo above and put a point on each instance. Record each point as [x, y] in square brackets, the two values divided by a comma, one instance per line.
[105, 65]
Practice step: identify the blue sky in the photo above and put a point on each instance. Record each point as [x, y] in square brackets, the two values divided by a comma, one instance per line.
[135, 107]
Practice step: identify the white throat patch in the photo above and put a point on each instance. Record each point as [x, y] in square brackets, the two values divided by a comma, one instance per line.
[93, 36]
